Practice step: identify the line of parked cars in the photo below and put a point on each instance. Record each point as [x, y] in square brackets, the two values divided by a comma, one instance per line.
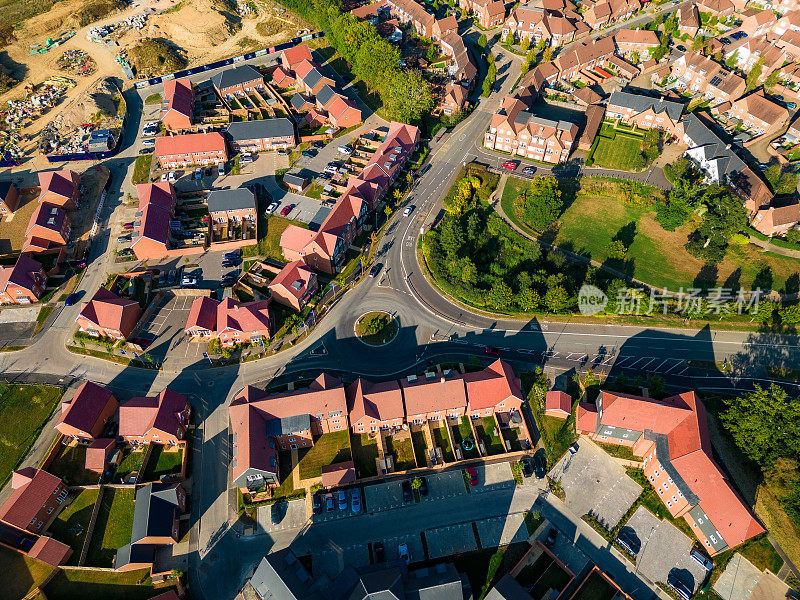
[337, 501]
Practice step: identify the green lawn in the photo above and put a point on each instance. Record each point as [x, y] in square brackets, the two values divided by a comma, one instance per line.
[153, 99]
[24, 409]
[512, 436]
[286, 486]
[20, 573]
[365, 451]
[440, 439]
[485, 428]
[618, 451]
[162, 461]
[462, 431]
[403, 452]
[330, 448]
[314, 191]
[141, 169]
[70, 465]
[72, 523]
[420, 448]
[270, 229]
[70, 584]
[113, 527]
[132, 462]
[616, 152]
[557, 436]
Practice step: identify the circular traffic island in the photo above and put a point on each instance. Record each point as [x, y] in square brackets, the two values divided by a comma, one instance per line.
[376, 328]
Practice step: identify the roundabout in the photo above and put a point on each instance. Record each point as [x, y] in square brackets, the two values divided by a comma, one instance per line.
[376, 328]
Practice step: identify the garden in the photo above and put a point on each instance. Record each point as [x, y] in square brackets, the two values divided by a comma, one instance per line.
[21, 574]
[70, 465]
[624, 148]
[365, 453]
[113, 526]
[72, 523]
[329, 448]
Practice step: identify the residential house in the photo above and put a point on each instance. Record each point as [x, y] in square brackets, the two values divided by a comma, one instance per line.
[490, 13]
[156, 512]
[296, 183]
[557, 404]
[434, 397]
[48, 228]
[107, 315]
[409, 11]
[778, 217]
[36, 497]
[758, 114]
[283, 78]
[641, 41]
[604, 12]
[586, 96]
[625, 69]
[785, 6]
[789, 45]
[374, 406]
[338, 474]
[291, 57]
[716, 8]
[454, 99]
[9, 196]
[595, 113]
[151, 236]
[312, 80]
[232, 209]
[61, 188]
[748, 51]
[646, 112]
[538, 25]
[462, 68]
[238, 81]
[699, 74]
[586, 55]
[495, 390]
[263, 424]
[85, 416]
[517, 130]
[294, 285]
[790, 21]
[757, 22]
[672, 437]
[343, 112]
[98, 454]
[444, 27]
[178, 151]
[372, 12]
[301, 104]
[161, 419]
[689, 20]
[177, 109]
[230, 321]
[23, 282]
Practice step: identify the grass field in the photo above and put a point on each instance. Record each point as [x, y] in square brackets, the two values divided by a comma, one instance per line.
[462, 431]
[71, 584]
[162, 462]
[132, 462]
[112, 529]
[20, 573]
[141, 168]
[420, 447]
[70, 465]
[485, 428]
[24, 409]
[330, 448]
[270, 230]
[71, 524]
[403, 452]
[440, 439]
[365, 451]
[617, 152]
[557, 435]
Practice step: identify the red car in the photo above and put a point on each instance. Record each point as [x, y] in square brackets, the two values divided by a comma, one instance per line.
[473, 476]
[286, 210]
[511, 165]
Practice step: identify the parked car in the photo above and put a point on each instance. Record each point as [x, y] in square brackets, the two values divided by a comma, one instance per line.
[233, 254]
[164, 176]
[551, 537]
[72, 299]
[540, 464]
[309, 153]
[679, 587]
[188, 282]
[701, 558]
[355, 500]
[318, 144]
[407, 495]
[423, 486]
[473, 476]
[408, 210]
[573, 449]
[172, 276]
[511, 165]
[227, 263]
[527, 467]
[197, 175]
[402, 550]
[149, 150]
[149, 143]
[286, 209]
[273, 206]
[127, 226]
[329, 502]
[529, 170]
[331, 169]
[228, 279]
[724, 40]
[173, 176]
[342, 500]
[346, 150]
[791, 105]
[378, 552]
[376, 268]
[124, 238]
[316, 504]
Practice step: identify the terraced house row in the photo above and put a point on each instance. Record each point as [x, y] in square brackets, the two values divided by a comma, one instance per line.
[263, 424]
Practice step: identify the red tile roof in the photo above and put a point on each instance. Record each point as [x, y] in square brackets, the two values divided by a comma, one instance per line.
[109, 311]
[203, 314]
[297, 54]
[243, 316]
[63, 183]
[495, 384]
[29, 498]
[162, 412]
[211, 141]
[23, 273]
[160, 194]
[178, 96]
[557, 401]
[50, 551]
[86, 407]
[586, 417]
[296, 238]
[49, 216]
[97, 453]
[379, 401]
[303, 69]
[294, 278]
[438, 393]
[338, 474]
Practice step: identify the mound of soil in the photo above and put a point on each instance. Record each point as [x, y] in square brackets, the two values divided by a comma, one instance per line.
[98, 105]
[150, 58]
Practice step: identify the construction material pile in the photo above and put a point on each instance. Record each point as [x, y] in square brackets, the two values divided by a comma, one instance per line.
[77, 62]
[39, 99]
[99, 32]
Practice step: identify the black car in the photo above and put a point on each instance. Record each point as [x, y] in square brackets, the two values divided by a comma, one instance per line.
[540, 464]
[318, 144]
[230, 262]
[407, 496]
[316, 504]
[376, 268]
[378, 552]
[551, 538]
[724, 40]
[228, 279]
[527, 467]
[679, 587]
[423, 486]
[233, 254]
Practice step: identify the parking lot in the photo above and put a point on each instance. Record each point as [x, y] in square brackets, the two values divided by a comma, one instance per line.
[164, 330]
[453, 539]
[498, 531]
[595, 483]
[282, 515]
[493, 477]
[661, 549]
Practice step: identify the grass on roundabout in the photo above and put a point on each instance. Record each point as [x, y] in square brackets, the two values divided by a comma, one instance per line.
[376, 328]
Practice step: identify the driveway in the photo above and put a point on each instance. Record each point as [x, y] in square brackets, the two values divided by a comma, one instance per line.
[165, 329]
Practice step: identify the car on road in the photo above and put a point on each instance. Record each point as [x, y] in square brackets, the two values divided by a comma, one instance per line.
[378, 553]
[511, 165]
[72, 299]
[273, 206]
[146, 150]
[316, 504]
[527, 467]
[286, 209]
[355, 500]
[329, 502]
[423, 486]
[173, 176]
[341, 499]
[402, 550]
[407, 495]
[189, 282]
[491, 351]
[408, 210]
[164, 176]
[529, 170]
[197, 175]
[309, 153]
[551, 538]
[573, 449]
[791, 105]
[473, 476]
[376, 268]
[149, 143]
[540, 464]
[346, 150]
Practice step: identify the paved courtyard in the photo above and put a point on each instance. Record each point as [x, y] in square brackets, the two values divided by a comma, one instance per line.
[595, 483]
[282, 515]
[449, 484]
[165, 328]
[493, 477]
[383, 496]
[661, 549]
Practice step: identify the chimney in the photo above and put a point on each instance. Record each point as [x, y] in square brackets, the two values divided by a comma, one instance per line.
[442, 380]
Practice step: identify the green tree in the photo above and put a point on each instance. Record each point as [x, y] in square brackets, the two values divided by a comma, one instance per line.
[432, 53]
[655, 385]
[698, 43]
[482, 41]
[751, 81]
[672, 213]
[782, 182]
[416, 483]
[733, 60]
[510, 38]
[771, 81]
[616, 250]
[528, 299]
[556, 299]
[540, 45]
[548, 55]
[469, 272]
[501, 295]
[725, 215]
[635, 57]
[525, 43]
[542, 202]
[488, 82]
[524, 68]
[530, 57]
[451, 237]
